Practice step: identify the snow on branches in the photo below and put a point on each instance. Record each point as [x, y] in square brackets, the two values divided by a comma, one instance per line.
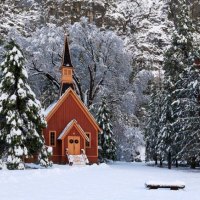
[21, 117]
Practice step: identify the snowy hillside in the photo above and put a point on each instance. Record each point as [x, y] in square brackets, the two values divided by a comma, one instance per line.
[117, 181]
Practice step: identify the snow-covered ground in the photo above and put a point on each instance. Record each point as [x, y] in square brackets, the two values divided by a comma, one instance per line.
[118, 181]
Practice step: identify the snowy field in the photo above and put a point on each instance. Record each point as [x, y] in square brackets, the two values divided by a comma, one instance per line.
[118, 181]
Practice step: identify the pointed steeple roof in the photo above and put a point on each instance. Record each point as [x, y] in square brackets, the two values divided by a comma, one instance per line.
[66, 59]
[66, 70]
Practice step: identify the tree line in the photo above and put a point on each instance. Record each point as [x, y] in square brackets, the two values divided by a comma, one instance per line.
[173, 129]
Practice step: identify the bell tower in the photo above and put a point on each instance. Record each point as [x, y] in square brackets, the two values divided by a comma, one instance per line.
[66, 69]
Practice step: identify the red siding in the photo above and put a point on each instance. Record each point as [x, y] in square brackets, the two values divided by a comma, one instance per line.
[68, 111]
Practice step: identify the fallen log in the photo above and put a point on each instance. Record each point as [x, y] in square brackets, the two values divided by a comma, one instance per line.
[171, 186]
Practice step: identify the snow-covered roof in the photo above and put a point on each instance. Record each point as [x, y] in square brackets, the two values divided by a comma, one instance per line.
[67, 128]
[50, 108]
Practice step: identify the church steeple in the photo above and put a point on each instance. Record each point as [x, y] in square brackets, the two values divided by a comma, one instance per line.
[66, 59]
[66, 69]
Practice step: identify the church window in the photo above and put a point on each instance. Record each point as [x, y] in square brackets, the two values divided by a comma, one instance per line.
[69, 72]
[88, 144]
[52, 138]
[65, 71]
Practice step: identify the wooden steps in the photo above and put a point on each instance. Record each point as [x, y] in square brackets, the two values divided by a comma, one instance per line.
[78, 159]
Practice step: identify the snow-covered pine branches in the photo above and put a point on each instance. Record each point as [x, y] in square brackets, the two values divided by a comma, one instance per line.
[179, 124]
[107, 143]
[21, 117]
[153, 127]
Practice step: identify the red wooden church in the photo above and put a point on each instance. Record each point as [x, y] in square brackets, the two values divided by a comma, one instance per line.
[71, 130]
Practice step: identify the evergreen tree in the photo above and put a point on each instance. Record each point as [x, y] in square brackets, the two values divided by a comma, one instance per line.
[152, 128]
[21, 118]
[186, 112]
[107, 143]
[180, 110]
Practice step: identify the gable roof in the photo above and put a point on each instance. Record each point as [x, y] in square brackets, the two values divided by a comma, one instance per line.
[81, 105]
[69, 126]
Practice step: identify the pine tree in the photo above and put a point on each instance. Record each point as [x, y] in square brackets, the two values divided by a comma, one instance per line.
[21, 116]
[152, 128]
[186, 105]
[180, 108]
[186, 111]
[107, 143]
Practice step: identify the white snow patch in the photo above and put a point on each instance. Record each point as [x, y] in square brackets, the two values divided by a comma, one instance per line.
[117, 181]
[22, 93]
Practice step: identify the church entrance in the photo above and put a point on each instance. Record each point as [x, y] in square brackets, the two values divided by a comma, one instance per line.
[74, 145]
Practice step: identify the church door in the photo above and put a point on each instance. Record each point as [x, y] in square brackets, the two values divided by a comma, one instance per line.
[74, 145]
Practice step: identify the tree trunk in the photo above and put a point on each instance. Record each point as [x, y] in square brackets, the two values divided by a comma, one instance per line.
[193, 163]
[161, 164]
[176, 163]
[169, 160]
[156, 160]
